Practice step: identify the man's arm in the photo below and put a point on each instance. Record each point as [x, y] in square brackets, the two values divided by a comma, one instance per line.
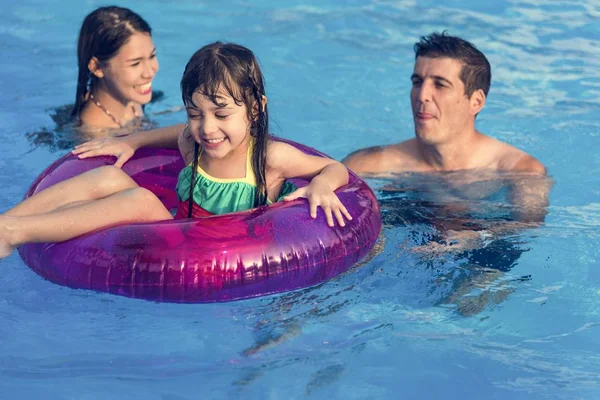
[529, 198]
[529, 189]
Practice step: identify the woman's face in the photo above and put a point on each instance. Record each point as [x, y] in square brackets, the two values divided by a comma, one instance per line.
[128, 75]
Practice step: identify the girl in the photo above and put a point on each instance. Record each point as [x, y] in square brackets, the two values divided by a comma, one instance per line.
[233, 164]
[117, 63]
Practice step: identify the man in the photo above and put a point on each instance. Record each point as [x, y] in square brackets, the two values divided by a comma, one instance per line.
[453, 166]
[450, 83]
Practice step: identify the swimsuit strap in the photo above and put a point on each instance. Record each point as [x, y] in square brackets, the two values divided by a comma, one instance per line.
[249, 178]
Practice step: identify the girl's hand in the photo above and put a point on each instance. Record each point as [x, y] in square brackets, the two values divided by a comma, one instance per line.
[320, 194]
[118, 147]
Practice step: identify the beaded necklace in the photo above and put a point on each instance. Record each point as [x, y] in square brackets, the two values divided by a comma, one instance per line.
[100, 106]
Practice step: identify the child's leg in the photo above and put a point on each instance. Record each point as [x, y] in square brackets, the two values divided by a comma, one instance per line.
[90, 185]
[131, 205]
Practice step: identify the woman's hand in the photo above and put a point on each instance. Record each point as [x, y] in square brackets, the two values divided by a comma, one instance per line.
[319, 193]
[119, 147]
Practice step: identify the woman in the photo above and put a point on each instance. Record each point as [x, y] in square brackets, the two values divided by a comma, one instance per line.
[117, 63]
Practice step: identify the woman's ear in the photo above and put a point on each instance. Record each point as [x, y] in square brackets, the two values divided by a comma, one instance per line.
[94, 67]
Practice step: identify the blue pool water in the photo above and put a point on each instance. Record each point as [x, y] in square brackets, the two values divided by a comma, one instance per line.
[397, 326]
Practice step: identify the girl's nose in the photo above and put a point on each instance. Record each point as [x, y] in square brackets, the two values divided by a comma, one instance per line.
[209, 126]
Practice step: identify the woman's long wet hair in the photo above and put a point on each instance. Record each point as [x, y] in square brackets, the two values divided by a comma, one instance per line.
[233, 69]
[103, 32]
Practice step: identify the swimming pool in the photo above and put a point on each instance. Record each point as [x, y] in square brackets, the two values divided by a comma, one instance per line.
[397, 326]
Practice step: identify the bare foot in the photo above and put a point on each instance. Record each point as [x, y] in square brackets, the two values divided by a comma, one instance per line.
[6, 237]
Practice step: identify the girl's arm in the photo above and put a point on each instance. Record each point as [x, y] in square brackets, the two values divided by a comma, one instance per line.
[123, 147]
[325, 175]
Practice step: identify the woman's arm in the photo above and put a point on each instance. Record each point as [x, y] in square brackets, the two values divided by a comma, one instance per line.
[161, 137]
[123, 147]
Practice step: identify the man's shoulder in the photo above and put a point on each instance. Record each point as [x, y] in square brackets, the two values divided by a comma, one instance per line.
[528, 163]
[377, 159]
[513, 159]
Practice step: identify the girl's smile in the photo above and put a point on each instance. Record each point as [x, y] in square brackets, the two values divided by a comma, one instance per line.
[221, 127]
[212, 143]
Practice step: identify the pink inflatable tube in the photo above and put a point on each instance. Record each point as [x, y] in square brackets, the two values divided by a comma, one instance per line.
[219, 258]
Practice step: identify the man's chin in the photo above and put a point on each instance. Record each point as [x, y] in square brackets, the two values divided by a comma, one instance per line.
[428, 137]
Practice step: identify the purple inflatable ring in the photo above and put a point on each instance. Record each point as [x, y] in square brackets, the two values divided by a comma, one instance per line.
[227, 257]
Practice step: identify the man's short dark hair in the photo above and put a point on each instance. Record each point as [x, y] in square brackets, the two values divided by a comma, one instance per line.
[476, 72]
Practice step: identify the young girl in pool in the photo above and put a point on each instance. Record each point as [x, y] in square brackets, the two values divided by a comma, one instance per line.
[233, 165]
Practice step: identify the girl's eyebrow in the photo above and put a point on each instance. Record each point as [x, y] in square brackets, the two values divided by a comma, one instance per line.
[214, 108]
[193, 109]
[220, 107]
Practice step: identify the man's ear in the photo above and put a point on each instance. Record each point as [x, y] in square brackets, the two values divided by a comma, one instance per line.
[95, 69]
[477, 101]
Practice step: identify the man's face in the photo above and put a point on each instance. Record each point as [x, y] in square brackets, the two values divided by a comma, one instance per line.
[441, 109]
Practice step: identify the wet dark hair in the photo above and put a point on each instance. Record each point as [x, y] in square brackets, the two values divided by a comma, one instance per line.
[103, 32]
[233, 69]
[476, 72]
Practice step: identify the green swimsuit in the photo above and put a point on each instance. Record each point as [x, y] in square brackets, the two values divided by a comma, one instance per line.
[220, 196]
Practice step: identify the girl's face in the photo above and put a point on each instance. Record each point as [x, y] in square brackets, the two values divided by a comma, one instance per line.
[222, 130]
[128, 75]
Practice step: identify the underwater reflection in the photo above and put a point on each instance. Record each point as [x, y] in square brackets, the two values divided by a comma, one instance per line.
[448, 240]
[467, 229]
[281, 318]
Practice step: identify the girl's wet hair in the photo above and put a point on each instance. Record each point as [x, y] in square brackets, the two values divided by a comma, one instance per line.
[232, 69]
[103, 32]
